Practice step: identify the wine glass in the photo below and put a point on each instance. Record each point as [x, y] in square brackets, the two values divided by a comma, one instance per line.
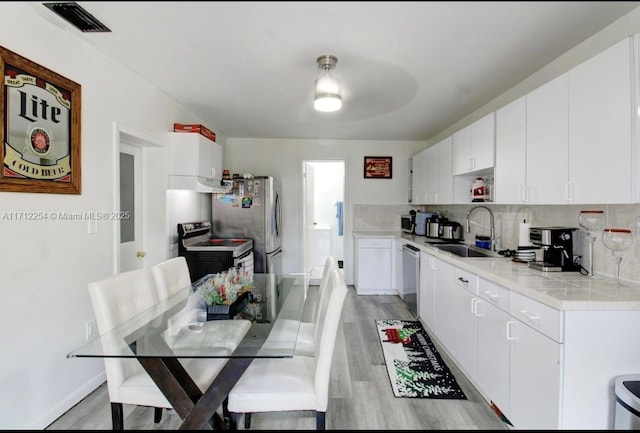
[617, 240]
[592, 221]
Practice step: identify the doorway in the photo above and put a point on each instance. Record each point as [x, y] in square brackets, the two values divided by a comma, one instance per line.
[323, 214]
[139, 200]
[131, 252]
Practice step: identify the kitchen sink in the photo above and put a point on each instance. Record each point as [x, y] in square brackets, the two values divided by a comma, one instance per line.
[465, 250]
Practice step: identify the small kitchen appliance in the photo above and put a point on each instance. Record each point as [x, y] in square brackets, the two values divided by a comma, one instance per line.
[408, 222]
[451, 230]
[558, 249]
[433, 225]
[421, 223]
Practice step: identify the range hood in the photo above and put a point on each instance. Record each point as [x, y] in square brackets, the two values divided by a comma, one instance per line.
[197, 183]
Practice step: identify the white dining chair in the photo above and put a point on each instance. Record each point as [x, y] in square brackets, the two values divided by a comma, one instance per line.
[115, 300]
[299, 383]
[308, 331]
[170, 276]
[305, 332]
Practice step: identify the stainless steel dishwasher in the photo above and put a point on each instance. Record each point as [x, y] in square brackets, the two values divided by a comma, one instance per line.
[411, 277]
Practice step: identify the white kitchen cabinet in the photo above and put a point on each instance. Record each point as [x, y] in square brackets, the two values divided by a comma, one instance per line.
[474, 146]
[492, 310]
[570, 140]
[193, 157]
[455, 320]
[419, 177]
[441, 169]
[426, 306]
[511, 153]
[547, 153]
[396, 269]
[535, 380]
[373, 266]
[600, 116]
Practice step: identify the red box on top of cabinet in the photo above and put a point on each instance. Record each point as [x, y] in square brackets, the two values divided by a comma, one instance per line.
[200, 129]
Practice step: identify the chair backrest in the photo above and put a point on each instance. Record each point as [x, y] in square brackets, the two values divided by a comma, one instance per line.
[329, 324]
[329, 266]
[170, 276]
[326, 286]
[115, 300]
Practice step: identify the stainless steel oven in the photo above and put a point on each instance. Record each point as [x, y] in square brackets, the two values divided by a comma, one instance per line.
[206, 254]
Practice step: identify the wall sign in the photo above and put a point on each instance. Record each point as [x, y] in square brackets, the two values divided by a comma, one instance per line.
[40, 128]
[378, 167]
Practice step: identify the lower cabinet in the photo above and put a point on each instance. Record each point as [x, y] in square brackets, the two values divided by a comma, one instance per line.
[534, 389]
[508, 345]
[544, 369]
[426, 301]
[455, 321]
[492, 309]
[374, 266]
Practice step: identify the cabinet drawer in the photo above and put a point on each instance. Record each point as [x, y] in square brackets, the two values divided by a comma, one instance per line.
[494, 293]
[375, 243]
[466, 279]
[541, 317]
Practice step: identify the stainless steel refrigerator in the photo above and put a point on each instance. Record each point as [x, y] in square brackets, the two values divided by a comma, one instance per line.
[252, 210]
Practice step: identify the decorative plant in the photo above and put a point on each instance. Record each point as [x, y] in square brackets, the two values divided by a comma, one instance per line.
[223, 288]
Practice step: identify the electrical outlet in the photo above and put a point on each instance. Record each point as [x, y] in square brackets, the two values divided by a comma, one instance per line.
[91, 330]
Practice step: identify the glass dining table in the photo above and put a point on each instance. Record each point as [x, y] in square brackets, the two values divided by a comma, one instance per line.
[169, 331]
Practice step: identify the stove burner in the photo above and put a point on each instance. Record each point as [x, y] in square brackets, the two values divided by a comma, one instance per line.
[198, 237]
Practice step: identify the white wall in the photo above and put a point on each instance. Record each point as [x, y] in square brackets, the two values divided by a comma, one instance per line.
[46, 264]
[283, 159]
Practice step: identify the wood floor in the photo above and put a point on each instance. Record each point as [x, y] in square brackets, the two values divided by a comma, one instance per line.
[360, 395]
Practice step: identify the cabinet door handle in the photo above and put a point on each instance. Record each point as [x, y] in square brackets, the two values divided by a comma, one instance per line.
[493, 297]
[524, 193]
[531, 317]
[462, 280]
[474, 307]
[510, 335]
[569, 191]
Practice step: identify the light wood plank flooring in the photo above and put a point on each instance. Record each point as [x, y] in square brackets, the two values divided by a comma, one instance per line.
[361, 397]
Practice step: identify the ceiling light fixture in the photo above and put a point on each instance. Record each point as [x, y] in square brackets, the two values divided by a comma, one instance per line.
[327, 88]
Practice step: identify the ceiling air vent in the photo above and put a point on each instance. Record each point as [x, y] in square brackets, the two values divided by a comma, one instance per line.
[76, 15]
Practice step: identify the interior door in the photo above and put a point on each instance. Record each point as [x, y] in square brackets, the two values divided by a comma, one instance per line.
[131, 252]
[308, 258]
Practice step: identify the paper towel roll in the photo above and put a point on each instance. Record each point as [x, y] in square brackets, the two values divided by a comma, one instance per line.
[523, 236]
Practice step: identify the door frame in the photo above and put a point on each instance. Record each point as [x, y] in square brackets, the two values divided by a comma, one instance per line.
[135, 138]
[303, 193]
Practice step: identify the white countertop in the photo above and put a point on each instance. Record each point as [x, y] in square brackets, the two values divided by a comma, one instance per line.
[559, 290]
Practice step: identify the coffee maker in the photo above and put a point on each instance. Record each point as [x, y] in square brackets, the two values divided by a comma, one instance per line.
[558, 246]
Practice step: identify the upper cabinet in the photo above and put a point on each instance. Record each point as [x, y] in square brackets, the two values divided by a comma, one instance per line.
[195, 162]
[419, 177]
[601, 148]
[432, 174]
[511, 148]
[547, 143]
[443, 181]
[474, 146]
[571, 140]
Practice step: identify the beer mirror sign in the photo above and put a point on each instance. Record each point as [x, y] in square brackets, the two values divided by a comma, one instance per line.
[40, 128]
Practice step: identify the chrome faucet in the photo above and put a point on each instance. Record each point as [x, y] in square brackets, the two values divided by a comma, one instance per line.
[492, 236]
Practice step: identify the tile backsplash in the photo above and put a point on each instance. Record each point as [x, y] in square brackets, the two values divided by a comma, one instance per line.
[507, 221]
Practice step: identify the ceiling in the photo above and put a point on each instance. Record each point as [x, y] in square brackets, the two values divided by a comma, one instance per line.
[408, 69]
